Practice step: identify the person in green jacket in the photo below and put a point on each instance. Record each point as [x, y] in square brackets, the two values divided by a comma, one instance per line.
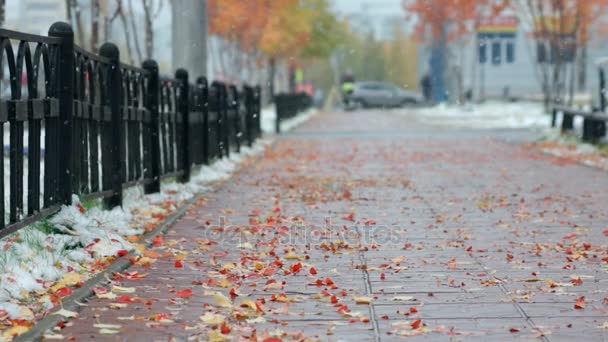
[347, 87]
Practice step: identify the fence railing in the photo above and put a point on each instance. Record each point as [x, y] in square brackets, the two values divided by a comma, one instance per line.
[290, 105]
[87, 124]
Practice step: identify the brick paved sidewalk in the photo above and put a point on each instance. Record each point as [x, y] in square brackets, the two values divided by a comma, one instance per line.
[362, 226]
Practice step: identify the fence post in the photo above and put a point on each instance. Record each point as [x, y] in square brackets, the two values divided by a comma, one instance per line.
[151, 103]
[235, 106]
[225, 120]
[247, 92]
[184, 110]
[114, 91]
[65, 94]
[203, 86]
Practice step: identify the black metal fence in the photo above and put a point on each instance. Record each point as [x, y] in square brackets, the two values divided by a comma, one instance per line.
[290, 105]
[95, 126]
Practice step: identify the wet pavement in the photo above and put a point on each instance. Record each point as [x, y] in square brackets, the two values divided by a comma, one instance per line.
[368, 226]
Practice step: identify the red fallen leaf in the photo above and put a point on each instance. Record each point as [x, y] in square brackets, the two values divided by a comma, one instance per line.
[179, 264]
[513, 330]
[187, 293]
[577, 282]
[370, 223]
[272, 339]
[125, 300]
[334, 300]
[570, 237]
[225, 329]
[580, 303]
[509, 257]
[382, 276]
[259, 305]
[349, 217]
[606, 232]
[233, 292]
[64, 291]
[413, 310]
[313, 271]
[268, 272]
[81, 209]
[159, 317]
[122, 253]
[416, 324]
[328, 282]
[296, 268]
[587, 246]
[343, 309]
[158, 241]
[469, 249]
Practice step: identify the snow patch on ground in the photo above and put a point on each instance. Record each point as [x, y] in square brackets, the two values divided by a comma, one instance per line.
[269, 117]
[487, 115]
[78, 240]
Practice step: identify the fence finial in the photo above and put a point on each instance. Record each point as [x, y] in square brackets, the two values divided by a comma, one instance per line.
[61, 29]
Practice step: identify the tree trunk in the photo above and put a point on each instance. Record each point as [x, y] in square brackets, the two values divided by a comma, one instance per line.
[582, 69]
[272, 69]
[78, 19]
[95, 18]
[134, 31]
[149, 29]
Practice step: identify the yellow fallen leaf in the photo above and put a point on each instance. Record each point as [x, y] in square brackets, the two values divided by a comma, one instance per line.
[216, 336]
[108, 331]
[53, 337]
[126, 318]
[7, 335]
[292, 256]
[66, 313]
[398, 259]
[121, 289]
[107, 326]
[363, 300]
[117, 305]
[603, 326]
[355, 314]
[257, 320]
[107, 295]
[211, 318]
[249, 304]
[221, 300]
[403, 299]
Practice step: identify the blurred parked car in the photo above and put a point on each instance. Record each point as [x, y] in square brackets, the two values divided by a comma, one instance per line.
[380, 94]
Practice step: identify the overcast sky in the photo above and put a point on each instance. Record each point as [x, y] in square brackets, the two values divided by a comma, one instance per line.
[374, 6]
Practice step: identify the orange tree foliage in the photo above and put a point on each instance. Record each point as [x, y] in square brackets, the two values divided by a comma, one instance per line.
[277, 28]
[457, 17]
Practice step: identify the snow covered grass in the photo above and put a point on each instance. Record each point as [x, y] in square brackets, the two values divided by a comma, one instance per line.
[487, 115]
[269, 117]
[40, 263]
[570, 146]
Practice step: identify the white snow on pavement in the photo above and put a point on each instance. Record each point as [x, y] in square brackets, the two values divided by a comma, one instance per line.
[269, 117]
[487, 115]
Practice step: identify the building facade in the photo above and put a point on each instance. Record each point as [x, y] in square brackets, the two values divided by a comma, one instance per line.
[499, 60]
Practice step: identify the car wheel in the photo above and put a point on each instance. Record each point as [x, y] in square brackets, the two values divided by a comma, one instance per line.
[360, 104]
[407, 102]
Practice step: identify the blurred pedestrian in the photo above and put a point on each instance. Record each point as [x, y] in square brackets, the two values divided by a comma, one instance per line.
[426, 86]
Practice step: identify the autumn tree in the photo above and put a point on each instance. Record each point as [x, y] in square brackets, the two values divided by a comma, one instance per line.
[272, 30]
[561, 29]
